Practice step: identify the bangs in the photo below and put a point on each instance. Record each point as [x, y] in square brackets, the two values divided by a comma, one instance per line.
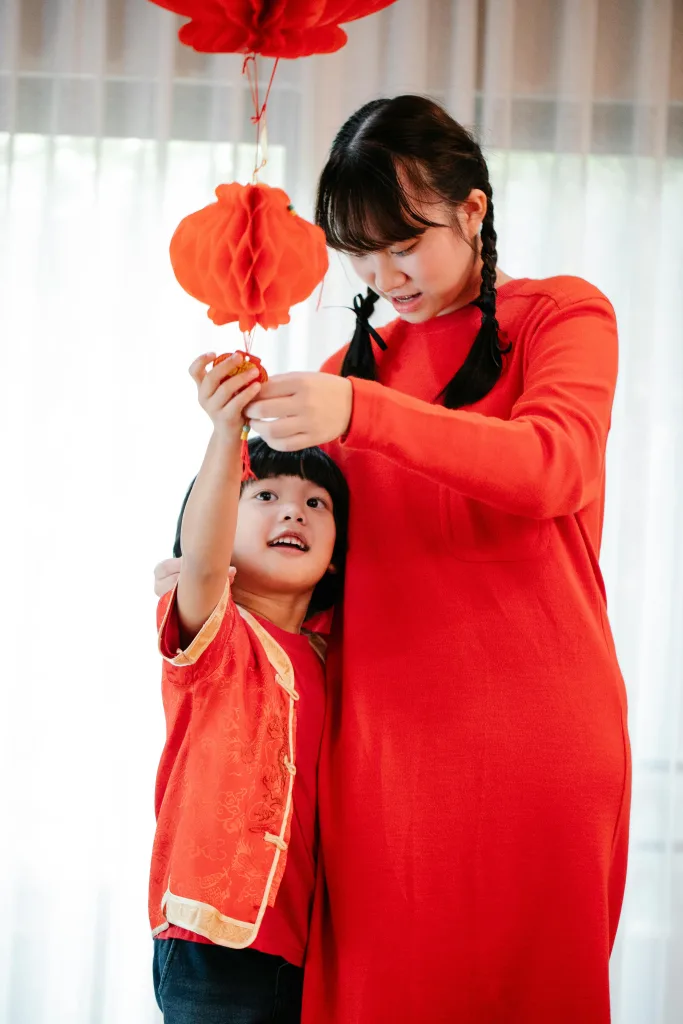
[310, 464]
[366, 200]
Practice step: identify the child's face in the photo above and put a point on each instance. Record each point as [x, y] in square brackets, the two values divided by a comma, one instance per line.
[285, 535]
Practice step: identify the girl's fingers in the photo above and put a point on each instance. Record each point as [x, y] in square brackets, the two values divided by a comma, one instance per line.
[292, 443]
[218, 374]
[271, 408]
[169, 567]
[198, 368]
[283, 384]
[279, 430]
[243, 399]
[242, 384]
[162, 586]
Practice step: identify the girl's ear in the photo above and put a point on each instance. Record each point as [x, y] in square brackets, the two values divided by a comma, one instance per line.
[332, 569]
[472, 213]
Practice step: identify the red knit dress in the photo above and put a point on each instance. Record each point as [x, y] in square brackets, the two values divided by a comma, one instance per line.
[474, 781]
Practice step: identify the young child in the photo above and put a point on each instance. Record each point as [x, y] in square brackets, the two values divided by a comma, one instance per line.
[233, 865]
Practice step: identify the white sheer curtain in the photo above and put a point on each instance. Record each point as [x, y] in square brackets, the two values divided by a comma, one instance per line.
[109, 133]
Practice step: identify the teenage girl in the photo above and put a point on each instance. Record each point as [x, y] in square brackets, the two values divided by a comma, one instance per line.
[474, 781]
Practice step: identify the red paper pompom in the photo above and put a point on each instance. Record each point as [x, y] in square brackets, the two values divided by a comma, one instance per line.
[249, 362]
[249, 257]
[273, 28]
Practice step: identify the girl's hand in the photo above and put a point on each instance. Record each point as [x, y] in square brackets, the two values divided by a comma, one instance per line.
[224, 397]
[308, 409]
[166, 575]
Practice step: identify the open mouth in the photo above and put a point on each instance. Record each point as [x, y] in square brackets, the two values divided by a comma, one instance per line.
[405, 301]
[292, 541]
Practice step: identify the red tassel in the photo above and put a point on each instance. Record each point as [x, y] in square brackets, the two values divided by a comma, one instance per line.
[247, 473]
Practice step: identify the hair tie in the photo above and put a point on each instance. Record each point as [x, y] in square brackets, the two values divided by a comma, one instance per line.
[364, 307]
[360, 358]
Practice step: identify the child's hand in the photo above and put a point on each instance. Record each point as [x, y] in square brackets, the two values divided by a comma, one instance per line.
[166, 575]
[223, 397]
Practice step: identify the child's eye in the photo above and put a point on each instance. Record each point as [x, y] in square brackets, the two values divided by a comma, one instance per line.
[316, 503]
[265, 496]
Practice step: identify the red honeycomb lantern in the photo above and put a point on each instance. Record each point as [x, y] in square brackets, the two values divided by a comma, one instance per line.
[249, 256]
[272, 28]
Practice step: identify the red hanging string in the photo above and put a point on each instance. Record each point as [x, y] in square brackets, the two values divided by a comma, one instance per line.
[253, 83]
[320, 296]
[247, 471]
[259, 119]
[250, 65]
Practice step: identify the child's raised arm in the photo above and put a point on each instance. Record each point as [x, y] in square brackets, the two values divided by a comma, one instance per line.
[209, 522]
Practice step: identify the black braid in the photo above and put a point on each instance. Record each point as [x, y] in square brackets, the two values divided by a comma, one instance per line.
[389, 156]
[359, 360]
[483, 364]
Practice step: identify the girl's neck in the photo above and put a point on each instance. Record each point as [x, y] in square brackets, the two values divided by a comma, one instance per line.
[470, 292]
[286, 611]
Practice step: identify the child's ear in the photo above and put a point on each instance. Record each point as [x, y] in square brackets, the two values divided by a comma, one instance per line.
[332, 569]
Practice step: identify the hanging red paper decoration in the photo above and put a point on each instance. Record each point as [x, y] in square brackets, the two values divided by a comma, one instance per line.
[249, 257]
[249, 362]
[272, 28]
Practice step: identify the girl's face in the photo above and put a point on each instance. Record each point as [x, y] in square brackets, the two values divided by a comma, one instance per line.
[285, 535]
[435, 272]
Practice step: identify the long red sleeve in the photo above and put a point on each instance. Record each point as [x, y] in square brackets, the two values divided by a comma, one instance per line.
[547, 460]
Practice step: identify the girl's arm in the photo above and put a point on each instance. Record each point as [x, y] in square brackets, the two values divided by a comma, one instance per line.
[210, 519]
[547, 459]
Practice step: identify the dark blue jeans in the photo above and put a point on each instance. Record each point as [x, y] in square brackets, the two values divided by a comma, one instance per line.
[199, 984]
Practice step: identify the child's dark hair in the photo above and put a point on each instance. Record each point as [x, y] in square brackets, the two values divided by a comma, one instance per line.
[388, 152]
[309, 464]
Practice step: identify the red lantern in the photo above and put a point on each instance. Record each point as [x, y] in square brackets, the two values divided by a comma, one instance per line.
[249, 257]
[272, 28]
